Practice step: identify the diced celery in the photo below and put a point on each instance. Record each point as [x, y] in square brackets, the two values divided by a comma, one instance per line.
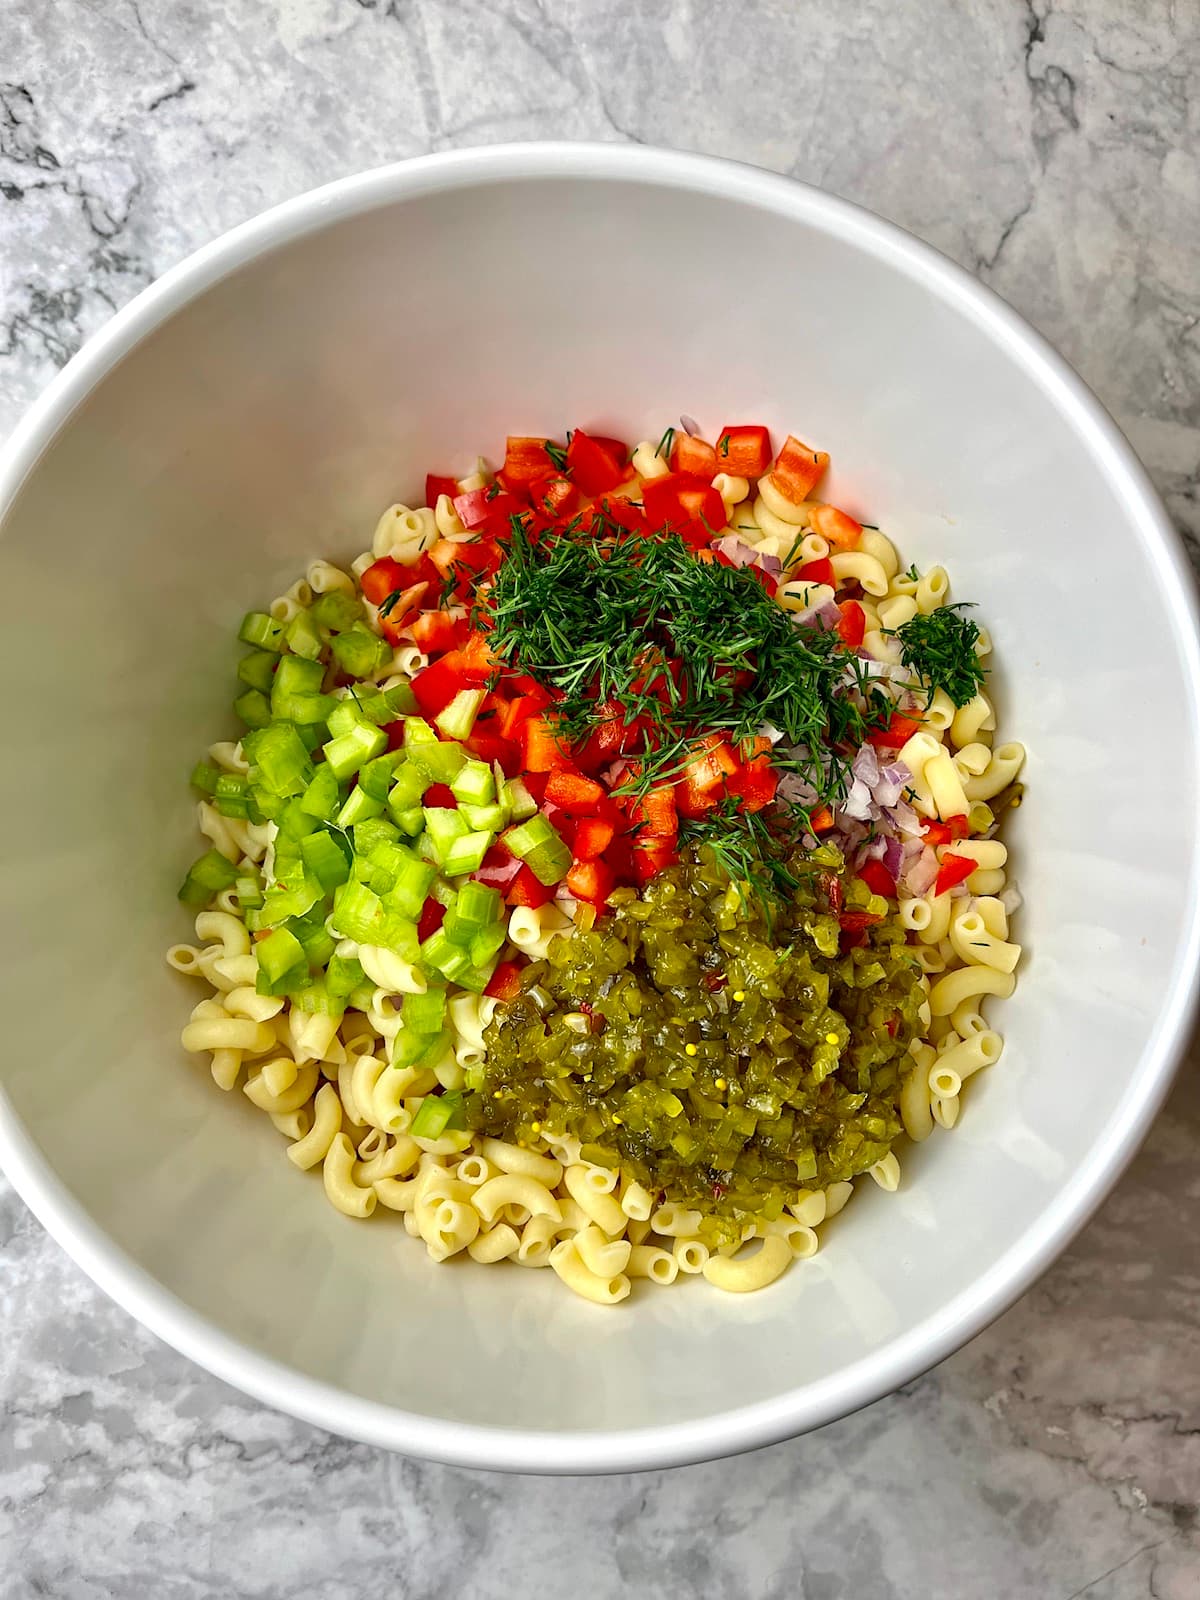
[549, 862]
[326, 859]
[457, 720]
[371, 832]
[315, 939]
[437, 1113]
[249, 890]
[303, 636]
[207, 876]
[308, 709]
[337, 610]
[410, 821]
[443, 826]
[321, 798]
[257, 669]
[345, 716]
[254, 708]
[473, 784]
[411, 887]
[278, 953]
[440, 762]
[527, 836]
[376, 776]
[409, 784]
[466, 853]
[418, 731]
[281, 762]
[487, 943]
[400, 934]
[358, 807]
[295, 822]
[296, 675]
[358, 913]
[358, 651]
[315, 997]
[344, 974]
[518, 799]
[261, 630]
[477, 905]
[348, 751]
[296, 900]
[424, 1013]
[205, 777]
[488, 818]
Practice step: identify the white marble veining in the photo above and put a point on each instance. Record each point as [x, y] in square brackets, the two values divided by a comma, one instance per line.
[1052, 148]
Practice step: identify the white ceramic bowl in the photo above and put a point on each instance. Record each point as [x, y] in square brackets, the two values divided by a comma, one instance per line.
[258, 406]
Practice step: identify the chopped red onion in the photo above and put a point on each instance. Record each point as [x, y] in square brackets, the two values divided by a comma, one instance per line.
[922, 874]
[795, 791]
[770, 731]
[1011, 899]
[732, 547]
[893, 856]
[689, 425]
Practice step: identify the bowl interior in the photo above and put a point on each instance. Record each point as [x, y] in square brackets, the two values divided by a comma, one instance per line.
[268, 420]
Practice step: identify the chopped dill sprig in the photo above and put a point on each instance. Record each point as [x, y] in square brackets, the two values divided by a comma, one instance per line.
[940, 648]
[557, 454]
[663, 447]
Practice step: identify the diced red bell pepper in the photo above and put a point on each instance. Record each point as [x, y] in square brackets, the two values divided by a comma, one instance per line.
[435, 632]
[593, 881]
[395, 734]
[562, 823]
[382, 578]
[593, 835]
[798, 469]
[490, 747]
[535, 782]
[713, 760]
[953, 870]
[744, 451]
[541, 749]
[693, 800]
[525, 459]
[576, 795]
[435, 487]
[815, 572]
[505, 982]
[616, 448]
[441, 794]
[555, 495]
[835, 527]
[657, 814]
[695, 457]
[651, 856]
[399, 612]
[617, 508]
[853, 624]
[899, 730]
[855, 924]
[436, 685]
[687, 505]
[478, 657]
[510, 714]
[948, 832]
[444, 555]
[432, 916]
[499, 869]
[754, 784]
[593, 468]
[878, 879]
[526, 890]
[820, 819]
[502, 508]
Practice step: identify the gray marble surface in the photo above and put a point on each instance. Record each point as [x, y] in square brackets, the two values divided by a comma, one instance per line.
[1053, 149]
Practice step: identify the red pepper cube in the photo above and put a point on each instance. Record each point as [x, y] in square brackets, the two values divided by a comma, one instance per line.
[593, 468]
[573, 793]
[592, 881]
[839, 531]
[694, 457]
[472, 507]
[686, 505]
[878, 879]
[899, 730]
[436, 487]
[505, 982]
[432, 916]
[815, 572]
[593, 835]
[744, 450]
[526, 890]
[953, 871]
[541, 748]
[525, 459]
[652, 856]
[434, 632]
[382, 578]
[852, 626]
[798, 469]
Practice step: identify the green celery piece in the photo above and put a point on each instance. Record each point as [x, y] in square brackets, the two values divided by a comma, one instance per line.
[443, 826]
[343, 975]
[296, 901]
[424, 1013]
[315, 997]
[457, 720]
[417, 731]
[253, 708]
[358, 651]
[527, 836]
[337, 610]
[306, 710]
[207, 876]
[518, 799]
[358, 913]
[278, 953]
[358, 807]
[488, 942]
[440, 762]
[489, 819]
[325, 858]
[549, 862]
[466, 853]
[349, 751]
[297, 675]
[478, 905]
[257, 670]
[473, 784]
[411, 887]
[321, 798]
[376, 776]
[304, 637]
[205, 777]
[408, 785]
[262, 631]
[345, 716]
[371, 832]
[317, 942]
[296, 823]
[281, 763]
[410, 821]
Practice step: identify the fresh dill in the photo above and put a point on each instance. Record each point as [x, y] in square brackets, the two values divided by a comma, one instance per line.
[557, 454]
[686, 648]
[663, 447]
[940, 648]
[389, 605]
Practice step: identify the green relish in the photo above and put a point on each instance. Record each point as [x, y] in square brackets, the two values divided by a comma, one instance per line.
[727, 1063]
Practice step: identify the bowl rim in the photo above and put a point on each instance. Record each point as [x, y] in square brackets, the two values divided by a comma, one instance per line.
[809, 1406]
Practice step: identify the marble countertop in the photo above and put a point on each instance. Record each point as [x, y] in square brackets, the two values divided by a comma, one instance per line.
[1054, 149]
